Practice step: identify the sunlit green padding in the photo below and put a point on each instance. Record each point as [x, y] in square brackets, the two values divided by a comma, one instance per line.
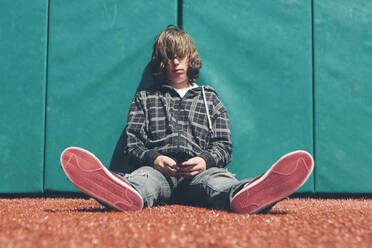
[343, 95]
[23, 39]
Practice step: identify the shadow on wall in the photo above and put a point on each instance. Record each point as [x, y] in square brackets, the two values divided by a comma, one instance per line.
[119, 163]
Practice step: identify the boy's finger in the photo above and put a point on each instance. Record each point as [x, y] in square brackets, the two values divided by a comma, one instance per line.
[190, 168]
[189, 163]
[170, 171]
[171, 164]
[171, 168]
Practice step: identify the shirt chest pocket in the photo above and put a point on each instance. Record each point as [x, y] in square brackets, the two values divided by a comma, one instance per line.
[157, 124]
[200, 129]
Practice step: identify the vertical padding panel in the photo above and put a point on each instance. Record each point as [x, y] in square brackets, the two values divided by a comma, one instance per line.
[343, 95]
[98, 53]
[23, 34]
[258, 56]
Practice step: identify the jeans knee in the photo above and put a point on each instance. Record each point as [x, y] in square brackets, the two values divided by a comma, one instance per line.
[152, 185]
[219, 179]
[216, 172]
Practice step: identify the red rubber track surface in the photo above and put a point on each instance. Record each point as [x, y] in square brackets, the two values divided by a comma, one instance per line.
[78, 222]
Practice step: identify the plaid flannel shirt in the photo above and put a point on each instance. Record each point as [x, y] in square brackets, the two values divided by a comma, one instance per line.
[160, 122]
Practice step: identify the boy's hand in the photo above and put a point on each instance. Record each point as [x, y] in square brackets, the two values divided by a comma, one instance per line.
[166, 165]
[191, 167]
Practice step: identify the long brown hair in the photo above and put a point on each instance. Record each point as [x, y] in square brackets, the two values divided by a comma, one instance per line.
[170, 43]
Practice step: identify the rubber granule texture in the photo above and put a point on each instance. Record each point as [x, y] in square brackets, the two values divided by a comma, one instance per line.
[78, 222]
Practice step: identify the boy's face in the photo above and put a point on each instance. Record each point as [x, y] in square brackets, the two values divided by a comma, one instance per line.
[177, 72]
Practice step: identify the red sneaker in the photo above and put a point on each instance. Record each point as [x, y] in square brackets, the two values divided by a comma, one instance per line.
[287, 175]
[88, 174]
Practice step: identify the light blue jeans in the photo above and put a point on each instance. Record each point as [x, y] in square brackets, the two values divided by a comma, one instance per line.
[213, 188]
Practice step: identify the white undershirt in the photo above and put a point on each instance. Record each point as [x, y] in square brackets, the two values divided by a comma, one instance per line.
[182, 92]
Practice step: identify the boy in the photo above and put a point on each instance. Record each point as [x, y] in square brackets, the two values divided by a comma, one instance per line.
[178, 137]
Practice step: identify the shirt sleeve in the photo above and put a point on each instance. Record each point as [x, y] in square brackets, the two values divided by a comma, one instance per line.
[219, 150]
[136, 135]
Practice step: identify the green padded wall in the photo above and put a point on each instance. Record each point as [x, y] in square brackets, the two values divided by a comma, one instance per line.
[343, 95]
[97, 56]
[23, 35]
[258, 55]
